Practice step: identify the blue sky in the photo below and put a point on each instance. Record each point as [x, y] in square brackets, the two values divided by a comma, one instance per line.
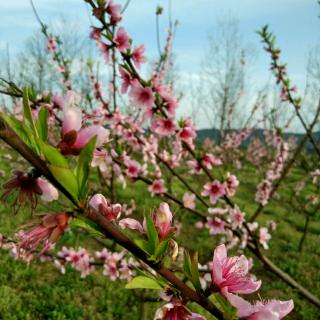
[295, 22]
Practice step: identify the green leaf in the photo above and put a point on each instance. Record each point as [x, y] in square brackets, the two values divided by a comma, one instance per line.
[161, 248]
[195, 278]
[144, 245]
[27, 111]
[21, 130]
[93, 229]
[229, 312]
[83, 166]
[42, 123]
[142, 282]
[187, 264]
[67, 179]
[152, 233]
[53, 155]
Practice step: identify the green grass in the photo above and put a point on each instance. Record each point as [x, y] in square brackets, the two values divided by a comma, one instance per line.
[38, 291]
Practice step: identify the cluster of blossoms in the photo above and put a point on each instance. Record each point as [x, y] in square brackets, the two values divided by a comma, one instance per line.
[145, 145]
[274, 172]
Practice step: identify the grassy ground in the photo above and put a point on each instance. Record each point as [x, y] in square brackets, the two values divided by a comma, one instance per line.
[38, 291]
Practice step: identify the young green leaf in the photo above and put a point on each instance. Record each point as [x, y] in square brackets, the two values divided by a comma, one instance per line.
[229, 312]
[144, 245]
[67, 179]
[195, 278]
[152, 233]
[161, 248]
[21, 130]
[92, 229]
[83, 166]
[42, 123]
[27, 111]
[142, 282]
[53, 155]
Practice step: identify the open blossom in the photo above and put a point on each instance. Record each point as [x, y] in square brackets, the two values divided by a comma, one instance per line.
[194, 166]
[214, 190]
[137, 56]
[49, 192]
[46, 233]
[133, 168]
[261, 310]
[187, 131]
[25, 186]
[209, 160]
[264, 237]
[163, 127]
[157, 187]
[79, 259]
[175, 310]
[74, 137]
[237, 217]
[189, 200]
[100, 204]
[215, 225]
[230, 274]
[127, 80]
[232, 184]
[263, 192]
[142, 95]
[114, 10]
[122, 40]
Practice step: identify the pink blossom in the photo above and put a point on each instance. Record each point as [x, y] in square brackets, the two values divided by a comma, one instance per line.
[157, 187]
[189, 200]
[163, 220]
[133, 168]
[264, 237]
[51, 44]
[263, 192]
[215, 225]
[25, 186]
[142, 95]
[79, 259]
[163, 127]
[105, 50]
[232, 184]
[95, 33]
[194, 166]
[100, 204]
[114, 10]
[122, 40]
[199, 225]
[214, 190]
[49, 192]
[219, 211]
[45, 233]
[237, 217]
[132, 224]
[87, 133]
[137, 56]
[261, 310]
[127, 80]
[209, 160]
[175, 310]
[71, 114]
[230, 274]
